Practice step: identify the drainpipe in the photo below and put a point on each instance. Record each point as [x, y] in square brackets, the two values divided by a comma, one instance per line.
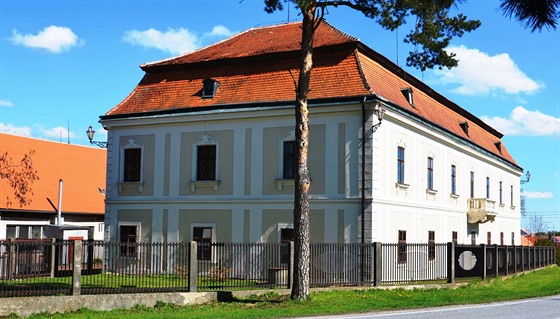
[363, 196]
[59, 210]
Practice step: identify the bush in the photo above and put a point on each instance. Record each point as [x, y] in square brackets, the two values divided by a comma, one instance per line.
[219, 274]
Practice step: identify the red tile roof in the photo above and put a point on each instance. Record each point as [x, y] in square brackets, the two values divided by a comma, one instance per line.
[81, 168]
[261, 65]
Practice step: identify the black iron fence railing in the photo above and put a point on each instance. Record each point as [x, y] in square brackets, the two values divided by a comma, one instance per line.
[50, 267]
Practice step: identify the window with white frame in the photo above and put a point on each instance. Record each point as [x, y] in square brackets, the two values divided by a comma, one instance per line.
[453, 179]
[430, 173]
[400, 165]
[129, 235]
[287, 150]
[402, 247]
[487, 187]
[205, 163]
[204, 235]
[287, 235]
[131, 161]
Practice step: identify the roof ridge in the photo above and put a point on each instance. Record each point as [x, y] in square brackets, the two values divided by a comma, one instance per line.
[148, 64]
[340, 31]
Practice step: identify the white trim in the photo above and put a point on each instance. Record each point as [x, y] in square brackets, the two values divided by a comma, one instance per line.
[121, 184]
[204, 140]
[281, 182]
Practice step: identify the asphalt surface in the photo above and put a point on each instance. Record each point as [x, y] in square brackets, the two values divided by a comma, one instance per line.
[538, 308]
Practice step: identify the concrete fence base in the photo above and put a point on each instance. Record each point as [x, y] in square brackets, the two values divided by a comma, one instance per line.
[26, 306]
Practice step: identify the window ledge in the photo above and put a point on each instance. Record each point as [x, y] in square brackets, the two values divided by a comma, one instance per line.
[281, 183]
[123, 185]
[512, 207]
[502, 205]
[401, 186]
[211, 184]
[431, 191]
[454, 195]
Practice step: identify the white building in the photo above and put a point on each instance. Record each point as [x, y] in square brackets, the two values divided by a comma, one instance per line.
[201, 149]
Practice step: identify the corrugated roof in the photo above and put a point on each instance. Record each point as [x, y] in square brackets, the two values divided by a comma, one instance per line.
[261, 66]
[81, 168]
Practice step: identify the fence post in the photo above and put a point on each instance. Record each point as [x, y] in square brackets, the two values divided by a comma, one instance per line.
[450, 262]
[11, 262]
[291, 266]
[193, 269]
[496, 260]
[377, 263]
[52, 261]
[77, 267]
[484, 261]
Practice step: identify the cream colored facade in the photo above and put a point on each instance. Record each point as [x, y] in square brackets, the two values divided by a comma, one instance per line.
[250, 201]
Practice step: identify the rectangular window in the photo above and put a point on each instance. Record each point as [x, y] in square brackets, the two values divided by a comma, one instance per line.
[501, 194]
[128, 238]
[502, 238]
[132, 164]
[511, 195]
[203, 237]
[431, 245]
[402, 246]
[206, 163]
[286, 236]
[430, 176]
[400, 165]
[453, 179]
[487, 187]
[472, 184]
[454, 237]
[489, 238]
[288, 160]
[473, 238]
[512, 238]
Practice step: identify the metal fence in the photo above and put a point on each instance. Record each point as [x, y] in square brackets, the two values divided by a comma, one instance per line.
[414, 263]
[242, 265]
[34, 268]
[50, 267]
[129, 268]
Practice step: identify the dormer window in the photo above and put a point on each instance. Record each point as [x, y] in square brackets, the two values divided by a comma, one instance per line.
[465, 127]
[209, 88]
[407, 93]
[498, 145]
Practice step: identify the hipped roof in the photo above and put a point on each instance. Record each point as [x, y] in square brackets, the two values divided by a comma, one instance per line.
[260, 67]
[81, 168]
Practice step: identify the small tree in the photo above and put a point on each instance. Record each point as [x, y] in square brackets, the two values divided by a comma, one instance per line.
[19, 175]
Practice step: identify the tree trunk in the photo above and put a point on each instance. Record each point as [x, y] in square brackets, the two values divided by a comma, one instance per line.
[300, 288]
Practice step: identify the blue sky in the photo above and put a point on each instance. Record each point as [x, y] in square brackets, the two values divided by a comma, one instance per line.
[65, 63]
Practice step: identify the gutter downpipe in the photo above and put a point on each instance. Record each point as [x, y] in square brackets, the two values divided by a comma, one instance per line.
[363, 193]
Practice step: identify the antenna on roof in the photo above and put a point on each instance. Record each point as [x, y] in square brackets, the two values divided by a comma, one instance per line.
[397, 43]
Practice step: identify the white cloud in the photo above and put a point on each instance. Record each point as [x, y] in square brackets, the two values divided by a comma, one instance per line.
[219, 31]
[524, 122]
[15, 130]
[52, 38]
[480, 73]
[6, 103]
[57, 133]
[174, 41]
[537, 195]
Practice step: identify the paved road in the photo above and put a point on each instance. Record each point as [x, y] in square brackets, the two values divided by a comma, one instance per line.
[540, 308]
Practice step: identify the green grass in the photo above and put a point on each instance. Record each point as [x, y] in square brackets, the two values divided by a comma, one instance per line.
[543, 282]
